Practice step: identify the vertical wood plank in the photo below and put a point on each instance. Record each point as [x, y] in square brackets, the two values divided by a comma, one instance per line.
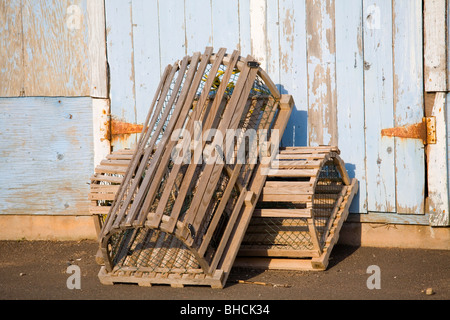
[350, 95]
[46, 155]
[101, 131]
[437, 157]
[408, 105]
[321, 72]
[121, 67]
[435, 47]
[245, 45]
[11, 51]
[258, 31]
[225, 19]
[448, 45]
[97, 49]
[294, 69]
[146, 54]
[379, 113]
[55, 46]
[273, 41]
[198, 25]
[447, 114]
[172, 31]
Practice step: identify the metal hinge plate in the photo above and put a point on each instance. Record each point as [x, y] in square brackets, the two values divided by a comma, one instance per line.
[425, 130]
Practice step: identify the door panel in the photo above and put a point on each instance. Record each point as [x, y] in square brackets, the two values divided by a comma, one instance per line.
[408, 105]
[379, 106]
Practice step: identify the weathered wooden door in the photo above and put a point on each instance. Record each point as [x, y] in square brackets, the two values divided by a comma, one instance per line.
[393, 88]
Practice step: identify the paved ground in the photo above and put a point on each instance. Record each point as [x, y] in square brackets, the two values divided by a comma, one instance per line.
[37, 271]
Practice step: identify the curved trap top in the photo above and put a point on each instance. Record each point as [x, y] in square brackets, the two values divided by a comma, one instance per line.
[183, 192]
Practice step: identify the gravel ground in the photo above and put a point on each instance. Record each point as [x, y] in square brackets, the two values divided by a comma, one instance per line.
[38, 271]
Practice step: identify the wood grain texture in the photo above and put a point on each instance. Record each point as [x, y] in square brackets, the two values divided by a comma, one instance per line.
[121, 67]
[448, 45]
[293, 69]
[11, 51]
[146, 49]
[44, 48]
[55, 47]
[258, 33]
[379, 104]
[408, 105]
[321, 46]
[199, 25]
[172, 31]
[350, 102]
[438, 195]
[435, 46]
[225, 17]
[97, 49]
[46, 155]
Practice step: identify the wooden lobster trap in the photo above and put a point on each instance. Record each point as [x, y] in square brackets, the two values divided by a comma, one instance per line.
[300, 212]
[179, 219]
[163, 218]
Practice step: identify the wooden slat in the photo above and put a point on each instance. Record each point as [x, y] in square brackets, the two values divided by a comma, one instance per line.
[292, 172]
[282, 213]
[293, 67]
[118, 163]
[101, 196]
[193, 165]
[379, 104]
[285, 197]
[230, 120]
[137, 198]
[300, 187]
[350, 101]
[146, 54]
[145, 195]
[296, 164]
[181, 110]
[156, 218]
[408, 106]
[289, 190]
[233, 176]
[110, 179]
[63, 58]
[322, 122]
[154, 222]
[11, 50]
[226, 235]
[435, 46]
[120, 156]
[97, 49]
[438, 195]
[291, 253]
[111, 169]
[312, 150]
[255, 186]
[156, 107]
[104, 188]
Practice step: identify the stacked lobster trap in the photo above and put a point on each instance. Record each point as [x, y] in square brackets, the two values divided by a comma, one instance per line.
[179, 207]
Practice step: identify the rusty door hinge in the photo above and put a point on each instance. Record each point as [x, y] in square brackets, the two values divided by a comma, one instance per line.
[425, 130]
[120, 127]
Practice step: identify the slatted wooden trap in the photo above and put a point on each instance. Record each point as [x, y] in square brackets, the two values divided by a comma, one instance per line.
[301, 210]
[175, 218]
[297, 220]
